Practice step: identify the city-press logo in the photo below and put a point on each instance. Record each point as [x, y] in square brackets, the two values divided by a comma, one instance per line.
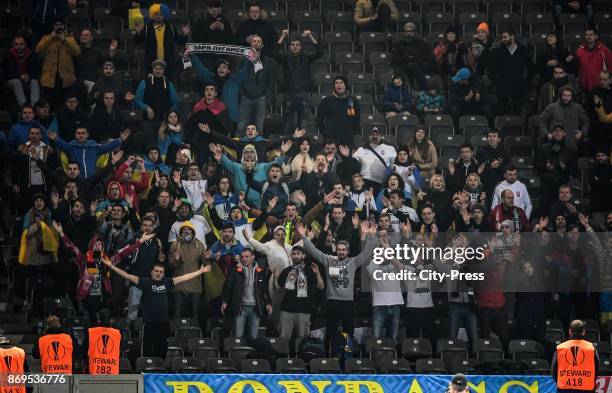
[574, 356]
[56, 351]
[105, 344]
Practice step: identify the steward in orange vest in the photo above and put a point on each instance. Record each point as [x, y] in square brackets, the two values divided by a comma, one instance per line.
[12, 361]
[55, 349]
[104, 346]
[575, 363]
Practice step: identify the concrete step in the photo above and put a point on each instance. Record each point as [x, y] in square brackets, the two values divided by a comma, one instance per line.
[18, 328]
[13, 317]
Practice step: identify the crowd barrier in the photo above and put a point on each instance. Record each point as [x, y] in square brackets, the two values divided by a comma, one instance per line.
[302, 383]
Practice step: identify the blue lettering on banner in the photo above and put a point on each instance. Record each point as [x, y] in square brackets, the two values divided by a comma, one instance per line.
[323, 383]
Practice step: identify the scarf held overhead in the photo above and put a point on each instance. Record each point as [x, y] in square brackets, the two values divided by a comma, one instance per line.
[249, 53]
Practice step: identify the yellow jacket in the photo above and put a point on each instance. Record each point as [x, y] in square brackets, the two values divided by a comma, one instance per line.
[58, 56]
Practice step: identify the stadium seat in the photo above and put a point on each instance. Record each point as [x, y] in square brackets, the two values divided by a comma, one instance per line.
[182, 365]
[529, 6]
[413, 17]
[236, 348]
[362, 84]
[380, 348]
[188, 332]
[459, 7]
[218, 328]
[290, 366]
[70, 322]
[372, 42]
[395, 366]
[438, 22]
[113, 23]
[308, 20]
[463, 366]
[498, 6]
[220, 366]
[430, 366]
[439, 124]
[487, 349]
[591, 326]
[471, 125]
[177, 323]
[506, 20]
[325, 366]
[359, 366]
[539, 23]
[404, 125]
[12, 18]
[451, 349]
[537, 367]
[279, 345]
[605, 367]
[432, 6]
[573, 23]
[255, 366]
[603, 22]
[603, 348]
[518, 146]
[60, 307]
[379, 63]
[340, 21]
[279, 20]
[448, 145]
[338, 42]
[326, 6]
[125, 367]
[150, 365]
[469, 21]
[416, 348]
[520, 350]
[324, 82]
[508, 125]
[601, 6]
[370, 121]
[349, 63]
[77, 22]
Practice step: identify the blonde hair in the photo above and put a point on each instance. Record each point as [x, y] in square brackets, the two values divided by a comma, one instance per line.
[436, 177]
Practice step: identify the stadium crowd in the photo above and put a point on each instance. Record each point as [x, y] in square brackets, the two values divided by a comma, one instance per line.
[144, 192]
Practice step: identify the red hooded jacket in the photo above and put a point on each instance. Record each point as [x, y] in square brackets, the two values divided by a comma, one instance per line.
[591, 62]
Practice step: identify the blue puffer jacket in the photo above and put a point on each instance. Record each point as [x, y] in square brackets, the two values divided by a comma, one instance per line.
[87, 153]
[395, 94]
[231, 87]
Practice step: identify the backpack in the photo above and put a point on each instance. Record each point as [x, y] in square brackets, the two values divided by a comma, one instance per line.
[311, 348]
[265, 186]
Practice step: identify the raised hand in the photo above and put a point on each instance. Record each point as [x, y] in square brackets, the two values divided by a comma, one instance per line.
[345, 150]
[54, 199]
[177, 203]
[125, 134]
[116, 156]
[206, 268]
[245, 233]
[301, 229]
[176, 177]
[272, 203]
[543, 223]
[93, 207]
[204, 127]
[365, 227]
[129, 198]
[209, 199]
[52, 135]
[216, 150]
[584, 220]
[299, 133]
[58, 227]
[286, 146]
[329, 197]
[355, 220]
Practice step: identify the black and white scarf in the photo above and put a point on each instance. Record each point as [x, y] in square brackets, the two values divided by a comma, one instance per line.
[221, 49]
[296, 280]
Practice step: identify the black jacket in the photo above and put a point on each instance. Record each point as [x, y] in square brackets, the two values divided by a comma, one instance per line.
[68, 121]
[203, 33]
[555, 152]
[88, 62]
[490, 177]
[233, 289]
[105, 125]
[511, 73]
[600, 180]
[334, 121]
[296, 69]
[259, 27]
[10, 69]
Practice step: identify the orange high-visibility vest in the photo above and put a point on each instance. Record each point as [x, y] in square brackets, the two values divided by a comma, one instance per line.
[576, 365]
[55, 353]
[12, 361]
[104, 347]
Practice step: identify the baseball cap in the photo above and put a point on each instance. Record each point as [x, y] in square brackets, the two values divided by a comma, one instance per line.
[462, 74]
[459, 381]
[374, 130]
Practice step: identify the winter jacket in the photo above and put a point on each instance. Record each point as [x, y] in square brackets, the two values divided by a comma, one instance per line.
[20, 132]
[571, 116]
[338, 118]
[296, 69]
[521, 195]
[600, 180]
[260, 84]
[233, 289]
[397, 95]
[427, 100]
[66, 122]
[591, 62]
[87, 153]
[365, 8]
[10, 68]
[192, 255]
[231, 86]
[428, 165]
[132, 188]
[511, 73]
[162, 99]
[555, 152]
[58, 57]
[105, 125]
[550, 91]
[456, 181]
[201, 31]
[410, 51]
[260, 27]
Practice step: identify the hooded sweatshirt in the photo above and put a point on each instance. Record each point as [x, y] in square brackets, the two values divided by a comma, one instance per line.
[198, 222]
[109, 201]
[192, 254]
[86, 153]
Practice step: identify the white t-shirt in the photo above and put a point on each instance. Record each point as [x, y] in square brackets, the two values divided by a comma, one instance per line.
[385, 292]
[371, 167]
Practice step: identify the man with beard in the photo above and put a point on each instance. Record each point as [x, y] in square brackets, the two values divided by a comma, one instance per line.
[228, 84]
[339, 116]
[226, 249]
[511, 182]
[21, 71]
[166, 217]
[156, 95]
[592, 57]
[483, 40]
[550, 92]
[302, 283]
[494, 157]
[70, 117]
[601, 118]
[570, 115]
[107, 81]
[340, 275]
[412, 56]
[510, 70]
[507, 211]
[374, 158]
[555, 162]
[600, 182]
